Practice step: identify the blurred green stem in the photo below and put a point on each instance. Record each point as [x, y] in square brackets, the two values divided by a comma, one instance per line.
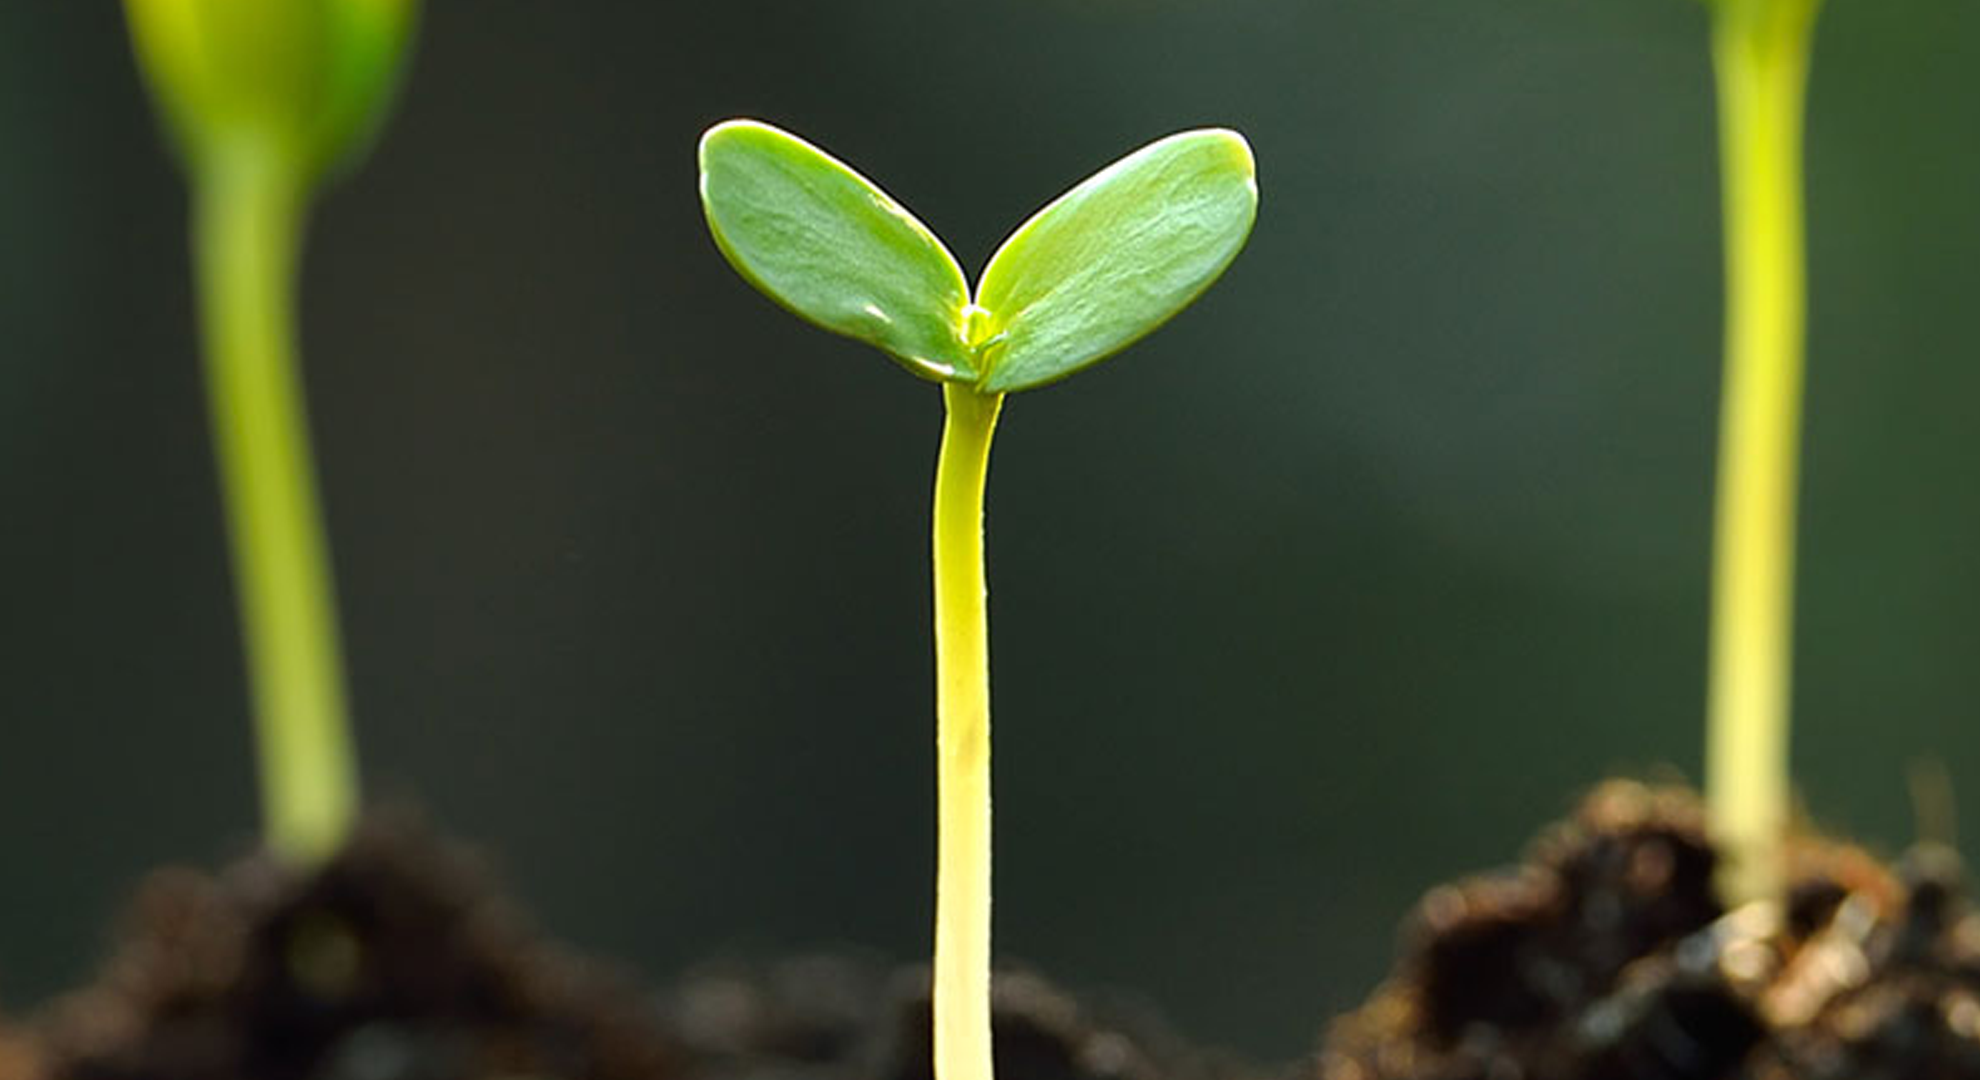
[1760, 51]
[249, 205]
[962, 740]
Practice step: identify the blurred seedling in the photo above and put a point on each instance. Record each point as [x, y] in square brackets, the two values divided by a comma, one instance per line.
[1098, 268]
[1760, 51]
[262, 99]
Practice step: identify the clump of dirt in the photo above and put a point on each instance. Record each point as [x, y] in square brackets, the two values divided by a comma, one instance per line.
[395, 961]
[1606, 956]
[398, 961]
[841, 1018]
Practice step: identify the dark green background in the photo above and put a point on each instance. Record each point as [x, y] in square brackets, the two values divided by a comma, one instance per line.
[1340, 585]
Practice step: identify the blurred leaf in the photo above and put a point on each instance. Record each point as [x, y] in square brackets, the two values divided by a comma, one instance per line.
[309, 78]
[825, 242]
[1115, 257]
[369, 44]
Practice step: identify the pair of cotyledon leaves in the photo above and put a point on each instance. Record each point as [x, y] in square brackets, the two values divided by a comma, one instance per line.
[1104, 264]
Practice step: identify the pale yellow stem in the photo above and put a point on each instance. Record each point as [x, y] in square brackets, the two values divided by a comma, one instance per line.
[248, 214]
[962, 740]
[1760, 53]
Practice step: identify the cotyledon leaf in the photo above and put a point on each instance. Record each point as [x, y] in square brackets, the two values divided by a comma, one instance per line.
[828, 244]
[1115, 257]
[312, 76]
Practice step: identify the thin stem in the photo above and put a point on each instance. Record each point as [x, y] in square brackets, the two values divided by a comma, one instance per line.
[962, 740]
[249, 204]
[1760, 50]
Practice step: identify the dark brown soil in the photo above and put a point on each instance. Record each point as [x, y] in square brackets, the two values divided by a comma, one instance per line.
[397, 961]
[1605, 956]
[392, 962]
[831, 1018]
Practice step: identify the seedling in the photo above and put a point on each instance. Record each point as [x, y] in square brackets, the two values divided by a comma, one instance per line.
[1104, 264]
[261, 99]
[1760, 55]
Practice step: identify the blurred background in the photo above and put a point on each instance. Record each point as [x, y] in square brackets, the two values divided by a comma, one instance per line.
[1342, 584]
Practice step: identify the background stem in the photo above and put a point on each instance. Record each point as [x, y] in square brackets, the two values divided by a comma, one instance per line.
[1760, 53]
[962, 740]
[248, 214]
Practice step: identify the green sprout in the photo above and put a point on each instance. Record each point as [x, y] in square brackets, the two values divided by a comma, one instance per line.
[1103, 265]
[1760, 52]
[262, 99]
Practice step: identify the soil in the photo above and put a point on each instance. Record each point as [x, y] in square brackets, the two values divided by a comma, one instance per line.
[399, 961]
[834, 1018]
[393, 962]
[1605, 956]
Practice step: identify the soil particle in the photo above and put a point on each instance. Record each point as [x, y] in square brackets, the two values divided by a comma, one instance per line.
[392, 962]
[1605, 956]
